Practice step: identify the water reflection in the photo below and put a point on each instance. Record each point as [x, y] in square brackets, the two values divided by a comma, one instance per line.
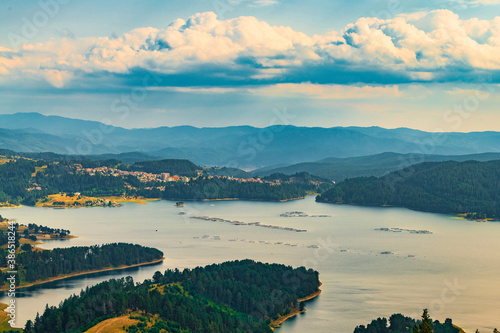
[359, 283]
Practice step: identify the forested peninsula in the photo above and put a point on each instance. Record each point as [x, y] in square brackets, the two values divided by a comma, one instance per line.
[469, 188]
[36, 266]
[232, 297]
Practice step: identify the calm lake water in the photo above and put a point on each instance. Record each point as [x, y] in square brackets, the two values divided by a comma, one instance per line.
[454, 271]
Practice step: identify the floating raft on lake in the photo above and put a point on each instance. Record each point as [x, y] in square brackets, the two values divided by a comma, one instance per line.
[425, 232]
[300, 214]
[257, 224]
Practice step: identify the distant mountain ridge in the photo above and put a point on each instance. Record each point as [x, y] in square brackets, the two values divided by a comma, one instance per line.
[242, 147]
[338, 169]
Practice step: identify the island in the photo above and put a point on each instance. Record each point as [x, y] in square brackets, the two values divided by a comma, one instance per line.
[226, 297]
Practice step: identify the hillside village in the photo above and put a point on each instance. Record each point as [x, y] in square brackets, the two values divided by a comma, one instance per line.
[140, 175]
[146, 177]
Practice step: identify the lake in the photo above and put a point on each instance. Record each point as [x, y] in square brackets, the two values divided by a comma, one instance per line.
[454, 271]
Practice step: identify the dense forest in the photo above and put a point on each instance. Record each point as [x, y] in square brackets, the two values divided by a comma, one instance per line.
[33, 228]
[239, 296]
[302, 180]
[445, 187]
[58, 178]
[221, 188]
[18, 238]
[398, 323]
[41, 265]
[174, 167]
[15, 178]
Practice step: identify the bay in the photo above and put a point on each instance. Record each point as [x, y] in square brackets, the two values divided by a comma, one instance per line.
[454, 271]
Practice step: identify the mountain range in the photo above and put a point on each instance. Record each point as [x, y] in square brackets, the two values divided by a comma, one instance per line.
[377, 165]
[243, 147]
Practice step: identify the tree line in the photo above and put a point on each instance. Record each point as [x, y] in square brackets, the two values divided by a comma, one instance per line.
[205, 188]
[398, 323]
[303, 180]
[41, 265]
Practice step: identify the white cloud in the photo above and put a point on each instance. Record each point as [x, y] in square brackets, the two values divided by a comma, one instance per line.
[56, 78]
[415, 47]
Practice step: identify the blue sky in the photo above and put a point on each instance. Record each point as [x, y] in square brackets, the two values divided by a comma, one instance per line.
[430, 65]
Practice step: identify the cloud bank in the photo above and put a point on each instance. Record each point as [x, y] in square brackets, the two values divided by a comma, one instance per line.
[435, 46]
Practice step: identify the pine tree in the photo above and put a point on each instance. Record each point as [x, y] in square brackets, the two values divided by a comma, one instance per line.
[426, 325]
[28, 328]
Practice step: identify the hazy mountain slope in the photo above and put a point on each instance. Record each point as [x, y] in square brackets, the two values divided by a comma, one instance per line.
[25, 141]
[55, 125]
[372, 165]
[243, 147]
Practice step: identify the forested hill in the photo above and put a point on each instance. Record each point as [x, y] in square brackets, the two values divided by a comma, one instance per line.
[303, 180]
[30, 182]
[378, 165]
[41, 265]
[175, 167]
[235, 145]
[233, 297]
[220, 188]
[470, 187]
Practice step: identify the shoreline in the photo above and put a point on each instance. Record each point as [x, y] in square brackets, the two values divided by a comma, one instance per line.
[67, 276]
[10, 206]
[138, 200]
[310, 297]
[488, 219]
[234, 199]
[453, 215]
[277, 323]
[145, 202]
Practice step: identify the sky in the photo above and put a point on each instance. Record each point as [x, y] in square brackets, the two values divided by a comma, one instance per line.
[429, 65]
